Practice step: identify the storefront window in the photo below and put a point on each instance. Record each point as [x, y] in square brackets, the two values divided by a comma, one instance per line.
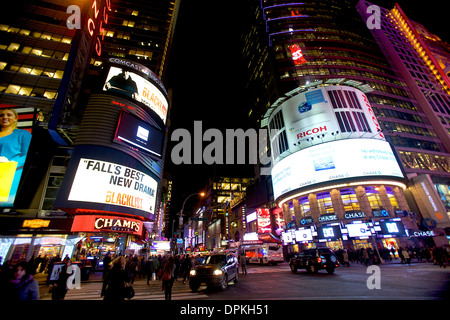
[305, 208]
[325, 204]
[392, 199]
[374, 198]
[349, 199]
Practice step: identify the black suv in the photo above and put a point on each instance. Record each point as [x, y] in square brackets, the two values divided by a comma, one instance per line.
[214, 270]
[314, 260]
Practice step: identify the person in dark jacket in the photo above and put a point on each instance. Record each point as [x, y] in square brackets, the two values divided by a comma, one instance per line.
[116, 280]
[59, 288]
[22, 285]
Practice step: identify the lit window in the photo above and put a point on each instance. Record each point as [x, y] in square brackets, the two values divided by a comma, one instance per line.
[58, 74]
[46, 36]
[50, 94]
[24, 32]
[14, 67]
[36, 71]
[26, 50]
[13, 30]
[2, 65]
[135, 13]
[66, 56]
[66, 40]
[36, 34]
[49, 73]
[110, 34]
[4, 27]
[13, 47]
[36, 52]
[12, 89]
[25, 69]
[25, 91]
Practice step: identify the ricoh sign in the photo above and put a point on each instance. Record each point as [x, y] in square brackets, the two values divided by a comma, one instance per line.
[322, 115]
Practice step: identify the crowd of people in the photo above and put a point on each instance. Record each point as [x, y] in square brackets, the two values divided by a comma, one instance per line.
[368, 256]
[122, 272]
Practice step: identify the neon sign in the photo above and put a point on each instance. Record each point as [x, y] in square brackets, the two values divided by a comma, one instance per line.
[96, 20]
[297, 55]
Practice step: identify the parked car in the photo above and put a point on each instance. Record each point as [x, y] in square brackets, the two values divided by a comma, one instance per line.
[314, 260]
[214, 270]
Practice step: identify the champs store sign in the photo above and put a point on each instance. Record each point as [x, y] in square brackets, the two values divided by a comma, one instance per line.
[89, 223]
[113, 184]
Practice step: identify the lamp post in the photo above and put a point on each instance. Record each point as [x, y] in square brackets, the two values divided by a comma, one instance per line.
[180, 221]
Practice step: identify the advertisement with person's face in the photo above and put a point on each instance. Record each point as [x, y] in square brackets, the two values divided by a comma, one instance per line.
[135, 87]
[14, 144]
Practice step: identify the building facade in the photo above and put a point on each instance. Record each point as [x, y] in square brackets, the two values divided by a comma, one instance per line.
[58, 58]
[303, 48]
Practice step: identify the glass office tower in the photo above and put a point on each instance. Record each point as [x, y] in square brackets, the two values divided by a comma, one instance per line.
[293, 47]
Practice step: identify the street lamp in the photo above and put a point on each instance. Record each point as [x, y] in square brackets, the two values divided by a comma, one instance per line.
[180, 221]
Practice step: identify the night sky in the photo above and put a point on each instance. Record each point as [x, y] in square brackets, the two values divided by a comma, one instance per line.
[204, 75]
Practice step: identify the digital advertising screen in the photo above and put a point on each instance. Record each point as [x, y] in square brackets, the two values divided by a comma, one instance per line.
[322, 115]
[136, 133]
[329, 232]
[264, 225]
[13, 149]
[335, 160]
[131, 85]
[392, 227]
[303, 234]
[357, 230]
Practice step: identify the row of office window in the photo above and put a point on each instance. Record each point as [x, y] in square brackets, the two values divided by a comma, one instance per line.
[349, 200]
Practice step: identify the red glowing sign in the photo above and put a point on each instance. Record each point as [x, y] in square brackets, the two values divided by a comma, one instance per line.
[94, 223]
[93, 21]
[264, 225]
[297, 55]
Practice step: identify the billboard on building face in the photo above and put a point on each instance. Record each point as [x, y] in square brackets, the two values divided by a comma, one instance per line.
[342, 159]
[321, 115]
[14, 144]
[136, 87]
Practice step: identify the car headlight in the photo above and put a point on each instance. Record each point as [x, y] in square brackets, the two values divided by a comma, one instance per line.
[217, 272]
[193, 272]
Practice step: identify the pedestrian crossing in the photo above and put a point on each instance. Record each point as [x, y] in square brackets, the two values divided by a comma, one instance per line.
[153, 291]
[257, 269]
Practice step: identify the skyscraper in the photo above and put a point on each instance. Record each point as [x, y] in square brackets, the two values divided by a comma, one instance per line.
[56, 57]
[294, 48]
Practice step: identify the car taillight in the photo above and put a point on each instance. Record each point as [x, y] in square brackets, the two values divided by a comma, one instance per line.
[319, 260]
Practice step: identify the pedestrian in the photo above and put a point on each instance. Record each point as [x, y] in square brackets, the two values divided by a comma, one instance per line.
[186, 266]
[345, 258]
[243, 263]
[106, 266]
[168, 276]
[149, 269]
[133, 268]
[116, 280]
[400, 255]
[59, 287]
[406, 256]
[21, 285]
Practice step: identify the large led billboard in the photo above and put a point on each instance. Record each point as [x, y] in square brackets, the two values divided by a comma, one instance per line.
[14, 143]
[138, 134]
[113, 184]
[135, 87]
[321, 115]
[335, 160]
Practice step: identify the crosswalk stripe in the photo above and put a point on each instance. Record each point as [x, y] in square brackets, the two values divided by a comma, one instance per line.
[153, 291]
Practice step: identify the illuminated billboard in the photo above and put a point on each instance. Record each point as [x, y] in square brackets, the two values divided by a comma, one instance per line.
[110, 183]
[94, 223]
[136, 87]
[264, 225]
[335, 160]
[357, 230]
[329, 232]
[14, 144]
[138, 134]
[321, 115]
